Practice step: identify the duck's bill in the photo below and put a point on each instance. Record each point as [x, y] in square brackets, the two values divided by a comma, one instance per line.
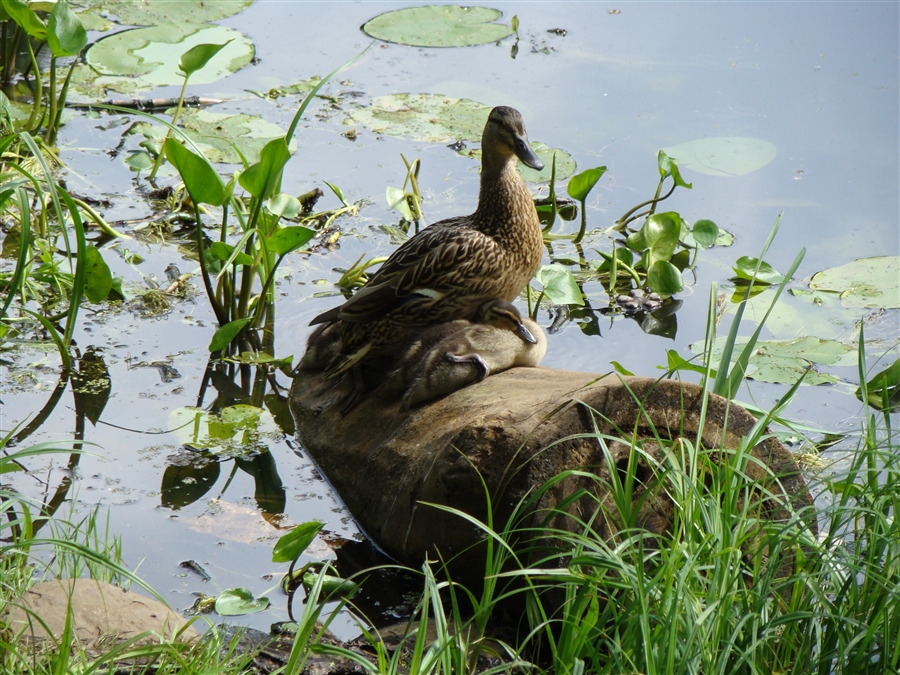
[525, 334]
[527, 156]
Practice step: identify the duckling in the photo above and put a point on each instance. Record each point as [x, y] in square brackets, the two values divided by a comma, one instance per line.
[450, 356]
[322, 346]
[448, 270]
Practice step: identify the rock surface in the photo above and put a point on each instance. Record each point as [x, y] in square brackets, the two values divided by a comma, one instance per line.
[99, 611]
[514, 431]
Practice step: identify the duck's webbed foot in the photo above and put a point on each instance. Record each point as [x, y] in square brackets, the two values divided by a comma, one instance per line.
[480, 366]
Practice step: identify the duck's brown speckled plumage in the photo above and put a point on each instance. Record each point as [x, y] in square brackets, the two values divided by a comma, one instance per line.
[448, 270]
[448, 356]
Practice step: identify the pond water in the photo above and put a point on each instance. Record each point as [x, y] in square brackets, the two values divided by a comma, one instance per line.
[819, 81]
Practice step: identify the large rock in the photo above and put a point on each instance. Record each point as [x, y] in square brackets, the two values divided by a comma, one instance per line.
[98, 611]
[514, 431]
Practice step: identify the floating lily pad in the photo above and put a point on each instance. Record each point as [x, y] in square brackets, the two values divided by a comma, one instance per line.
[219, 134]
[785, 361]
[424, 117]
[439, 26]
[863, 283]
[152, 54]
[433, 118]
[156, 12]
[238, 602]
[723, 156]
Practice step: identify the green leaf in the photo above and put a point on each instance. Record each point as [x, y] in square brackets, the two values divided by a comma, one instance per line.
[745, 266]
[580, 185]
[150, 57]
[284, 205]
[660, 235]
[669, 167]
[559, 285]
[239, 601]
[438, 26]
[723, 156]
[885, 386]
[198, 56]
[338, 193]
[219, 250]
[290, 546]
[676, 363]
[289, 239]
[396, 199]
[25, 17]
[263, 179]
[97, 277]
[785, 361]
[705, 233]
[65, 34]
[664, 278]
[200, 179]
[223, 337]
[331, 585]
[864, 283]
[622, 370]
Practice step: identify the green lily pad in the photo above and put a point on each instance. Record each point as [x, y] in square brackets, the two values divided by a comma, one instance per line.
[433, 118]
[439, 26]
[152, 54]
[723, 156]
[218, 134]
[785, 361]
[863, 283]
[156, 12]
[239, 601]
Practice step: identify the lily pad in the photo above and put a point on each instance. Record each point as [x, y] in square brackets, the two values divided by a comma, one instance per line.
[152, 54]
[785, 361]
[220, 135]
[239, 601]
[863, 283]
[156, 12]
[433, 118]
[723, 156]
[439, 26]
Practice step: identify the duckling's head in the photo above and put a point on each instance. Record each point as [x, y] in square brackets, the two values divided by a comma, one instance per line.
[504, 138]
[504, 315]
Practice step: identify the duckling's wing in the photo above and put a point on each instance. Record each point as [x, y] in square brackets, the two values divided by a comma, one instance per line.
[438, 260]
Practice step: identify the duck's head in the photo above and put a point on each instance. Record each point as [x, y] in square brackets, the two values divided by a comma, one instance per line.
[504, 315]
[504, 137]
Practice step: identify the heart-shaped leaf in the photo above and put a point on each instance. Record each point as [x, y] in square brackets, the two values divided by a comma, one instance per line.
[560, 287]
[223, 337]
[65, 34]
[580, 185]
[239, 601]
[289, 239]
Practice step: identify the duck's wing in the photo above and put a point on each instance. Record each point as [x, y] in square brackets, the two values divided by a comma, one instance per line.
[438, 259]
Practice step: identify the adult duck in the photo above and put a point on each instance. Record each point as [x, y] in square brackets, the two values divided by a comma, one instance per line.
[449, 269]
